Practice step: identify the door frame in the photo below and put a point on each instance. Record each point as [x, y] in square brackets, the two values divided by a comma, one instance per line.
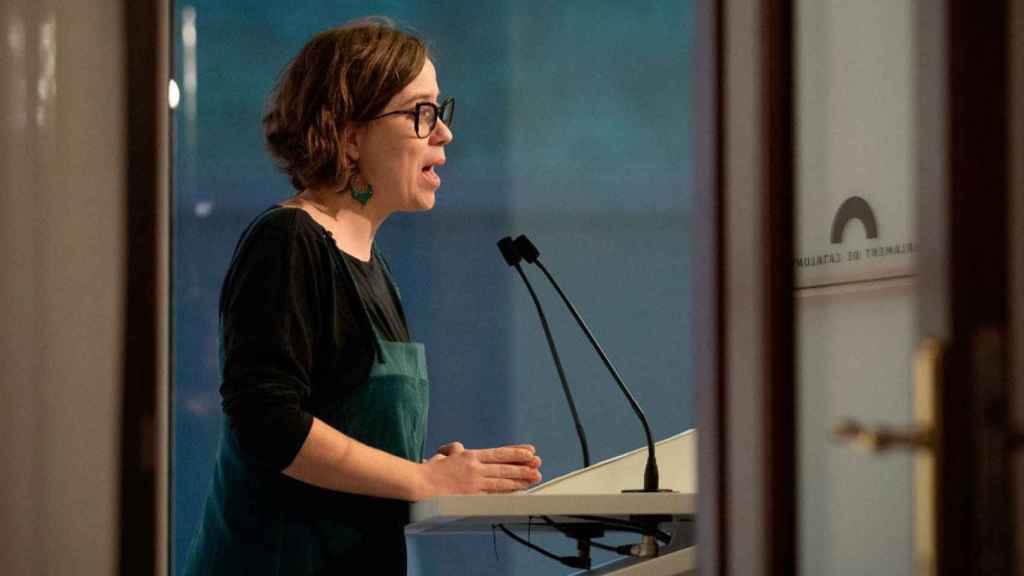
[743, 295]
[965, 274]
[1015, 91]
[144, 489]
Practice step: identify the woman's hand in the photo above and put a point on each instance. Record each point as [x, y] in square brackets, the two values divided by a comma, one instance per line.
[456, 470]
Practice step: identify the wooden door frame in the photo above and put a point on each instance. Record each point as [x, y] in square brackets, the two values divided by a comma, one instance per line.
[968, 307]
[744, 289]
[145, 423]
[1015, 91]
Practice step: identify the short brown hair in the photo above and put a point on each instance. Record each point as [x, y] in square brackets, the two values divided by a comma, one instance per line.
[340, 78]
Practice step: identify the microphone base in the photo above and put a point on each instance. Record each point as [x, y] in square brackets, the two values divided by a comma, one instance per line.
[638, 490]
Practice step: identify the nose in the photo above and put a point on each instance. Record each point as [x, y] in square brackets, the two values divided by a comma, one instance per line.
[441, 134]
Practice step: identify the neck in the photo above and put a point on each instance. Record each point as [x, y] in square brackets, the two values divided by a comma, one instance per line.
[352, 224]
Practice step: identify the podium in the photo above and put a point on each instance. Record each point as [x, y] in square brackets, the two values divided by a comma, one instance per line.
[590, 495]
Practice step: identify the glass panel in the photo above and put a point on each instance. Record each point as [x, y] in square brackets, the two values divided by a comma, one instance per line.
[855, 276]
[573, 126]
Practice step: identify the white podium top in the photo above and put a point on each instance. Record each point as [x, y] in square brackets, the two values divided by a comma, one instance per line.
[473, 514]
[592, 491]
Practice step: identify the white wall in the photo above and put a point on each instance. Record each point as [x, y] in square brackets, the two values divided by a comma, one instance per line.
[61, 252]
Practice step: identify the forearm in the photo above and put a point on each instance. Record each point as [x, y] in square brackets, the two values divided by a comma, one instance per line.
[332, 460]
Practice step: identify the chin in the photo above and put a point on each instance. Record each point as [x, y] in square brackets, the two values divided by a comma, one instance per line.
[425, 203]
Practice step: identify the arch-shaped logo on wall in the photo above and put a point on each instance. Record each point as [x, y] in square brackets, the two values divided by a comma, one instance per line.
[854, 208]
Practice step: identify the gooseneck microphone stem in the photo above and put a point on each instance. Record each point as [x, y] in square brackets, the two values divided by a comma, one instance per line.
[512, 257]
[558, 366]
[651, 470]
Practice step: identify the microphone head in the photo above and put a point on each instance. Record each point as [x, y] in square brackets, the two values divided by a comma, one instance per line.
[526, 249]
[508, 251]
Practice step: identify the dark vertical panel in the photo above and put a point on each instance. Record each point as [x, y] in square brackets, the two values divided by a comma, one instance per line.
[138, 490]
[1015, 191]
[779, 416]
[709, 278]
[974, 529]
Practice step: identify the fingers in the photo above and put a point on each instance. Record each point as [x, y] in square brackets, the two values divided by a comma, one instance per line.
[524, 446]
[510, 453]
[495, 470]
[451, 448]
[522, 454]
[512, 472]
[502, 485]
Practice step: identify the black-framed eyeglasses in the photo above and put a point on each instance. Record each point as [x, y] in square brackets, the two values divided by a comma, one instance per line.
[425, 115]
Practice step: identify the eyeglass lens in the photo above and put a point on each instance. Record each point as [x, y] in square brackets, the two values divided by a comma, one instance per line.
[427, 114]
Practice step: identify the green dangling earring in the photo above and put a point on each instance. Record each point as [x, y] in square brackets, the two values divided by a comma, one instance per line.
[362, 196]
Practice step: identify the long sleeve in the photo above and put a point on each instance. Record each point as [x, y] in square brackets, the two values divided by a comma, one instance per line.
[271, 323]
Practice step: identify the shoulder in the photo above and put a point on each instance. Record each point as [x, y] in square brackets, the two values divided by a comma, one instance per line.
[283, 222]
[281, 230]
[280, 239]
[281, 250]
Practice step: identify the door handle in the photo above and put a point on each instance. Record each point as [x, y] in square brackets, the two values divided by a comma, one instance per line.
[878, 439]
[923, 439]
[923, 434]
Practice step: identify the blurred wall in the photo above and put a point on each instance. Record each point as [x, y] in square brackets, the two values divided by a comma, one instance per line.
[61, 255]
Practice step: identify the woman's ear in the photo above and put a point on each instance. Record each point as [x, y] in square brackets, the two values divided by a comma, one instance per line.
[351, 139]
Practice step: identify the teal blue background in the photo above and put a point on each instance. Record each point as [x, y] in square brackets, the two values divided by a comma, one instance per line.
[574, 125]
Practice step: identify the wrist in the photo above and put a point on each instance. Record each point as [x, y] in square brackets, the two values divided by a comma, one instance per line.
[422, 486]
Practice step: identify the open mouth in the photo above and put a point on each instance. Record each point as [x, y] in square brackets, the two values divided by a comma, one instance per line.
[430, 175]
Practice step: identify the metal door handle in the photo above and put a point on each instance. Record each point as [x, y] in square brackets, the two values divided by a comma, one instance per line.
[883, 438]
[920, 436]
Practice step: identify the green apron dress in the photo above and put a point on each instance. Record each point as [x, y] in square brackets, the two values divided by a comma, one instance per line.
[261, 522]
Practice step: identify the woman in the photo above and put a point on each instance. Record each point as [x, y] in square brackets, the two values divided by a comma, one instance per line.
[325, 396]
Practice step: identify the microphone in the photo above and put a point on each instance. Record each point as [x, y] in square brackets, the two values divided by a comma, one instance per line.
[527, 251]
[512, 257]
